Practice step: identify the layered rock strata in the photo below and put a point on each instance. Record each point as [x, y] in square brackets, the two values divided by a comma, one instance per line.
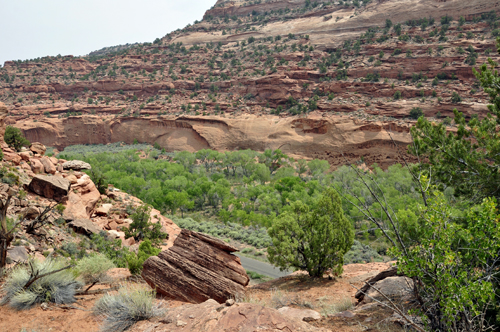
[198, 267]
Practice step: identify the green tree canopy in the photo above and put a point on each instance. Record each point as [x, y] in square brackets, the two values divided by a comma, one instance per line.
[312, 239]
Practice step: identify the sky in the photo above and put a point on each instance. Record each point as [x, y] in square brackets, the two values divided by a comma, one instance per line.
[36, 28]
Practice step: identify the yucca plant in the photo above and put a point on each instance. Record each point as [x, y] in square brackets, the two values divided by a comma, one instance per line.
[37, 282]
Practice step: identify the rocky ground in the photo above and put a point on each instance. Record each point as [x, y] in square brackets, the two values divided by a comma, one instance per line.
[324, 305]
[261, 86]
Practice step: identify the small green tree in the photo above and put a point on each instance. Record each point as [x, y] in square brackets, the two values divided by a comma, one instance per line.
[141, 228]
[312, 239]
[15, 138]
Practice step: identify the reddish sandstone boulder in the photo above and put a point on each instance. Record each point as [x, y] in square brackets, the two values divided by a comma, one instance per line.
[13, 157]
[38, 148]
[36, 166]
[48, 166]
[50, 186]
[198, 267]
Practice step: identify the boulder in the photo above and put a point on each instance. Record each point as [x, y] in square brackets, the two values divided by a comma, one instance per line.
[395, 288]
[84, 226]
[31, 212]
[38, 148]
[76, 165]
[50, 186]
[210, 316]
[25, 155]
[116, 234]
[103, 210]
[12, 156]
[196, 268]
[36, 166]
[307, 315]
[48, 166]
[17, 254]
[54, 160]
[71, 178]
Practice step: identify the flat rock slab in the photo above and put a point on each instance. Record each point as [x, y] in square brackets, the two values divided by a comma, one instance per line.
[76, 165]
[307, 315]
[196, 268]
[17, 254]
[52, 187]
[84, 226]
[210, 316]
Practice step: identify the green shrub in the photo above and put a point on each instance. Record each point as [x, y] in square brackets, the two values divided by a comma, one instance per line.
[58, 287]
[132, 304]
[360, 253]
[15, 138]
[416, 112]
[135, 261]
[92, 269]
[455, 98]
[141, 228]
[111, 248]
[397, 95]
[70, 247]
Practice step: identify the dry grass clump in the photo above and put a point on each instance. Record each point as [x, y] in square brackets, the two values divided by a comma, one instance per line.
[131, 304]
[57, 287]
[331, 306]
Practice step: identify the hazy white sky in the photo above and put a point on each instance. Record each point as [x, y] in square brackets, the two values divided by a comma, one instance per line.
[36, 28]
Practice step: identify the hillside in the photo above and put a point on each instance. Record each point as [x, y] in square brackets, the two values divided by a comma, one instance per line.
[315, 79]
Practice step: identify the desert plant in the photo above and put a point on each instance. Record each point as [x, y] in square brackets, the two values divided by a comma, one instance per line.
[141, 228]
[92, 269]
[37, 282]
[455, 98]
[135, 261]
[15, 138]
[416, 112]
[132, 304]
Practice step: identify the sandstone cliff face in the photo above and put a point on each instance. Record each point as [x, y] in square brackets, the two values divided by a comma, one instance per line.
[196, 268]
[314, 136]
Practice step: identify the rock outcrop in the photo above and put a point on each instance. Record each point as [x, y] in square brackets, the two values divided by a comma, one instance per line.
[210, 316]
[76, 165]
[84, 226]
[82, 198]
[198, 267]
[52, 187]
